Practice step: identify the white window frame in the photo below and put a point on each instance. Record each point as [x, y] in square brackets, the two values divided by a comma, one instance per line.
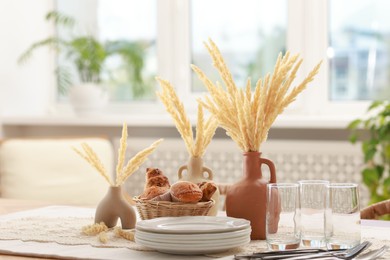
[306, 36]
[313, 45]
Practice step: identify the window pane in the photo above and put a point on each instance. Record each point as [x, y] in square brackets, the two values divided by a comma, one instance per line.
[359, 50]
[249, 33]
[123, 26]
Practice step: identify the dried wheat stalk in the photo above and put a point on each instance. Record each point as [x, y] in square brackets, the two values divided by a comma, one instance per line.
[135, 162]
[126, 234]
[246, 116]
[204, 130]
[122, 172]
[91, 157]
[121, 152]
[94, 229]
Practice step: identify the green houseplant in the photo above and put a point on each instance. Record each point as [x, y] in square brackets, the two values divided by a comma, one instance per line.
[374, 132]
[88, 56]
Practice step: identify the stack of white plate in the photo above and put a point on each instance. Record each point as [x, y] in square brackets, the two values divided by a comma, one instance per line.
[193, 235]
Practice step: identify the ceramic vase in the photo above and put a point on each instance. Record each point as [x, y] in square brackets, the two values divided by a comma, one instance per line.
[248, 197]
[113, 207]
[195, 174]
[87, 99]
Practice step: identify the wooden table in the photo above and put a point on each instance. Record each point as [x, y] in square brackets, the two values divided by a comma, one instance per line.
[12, 205]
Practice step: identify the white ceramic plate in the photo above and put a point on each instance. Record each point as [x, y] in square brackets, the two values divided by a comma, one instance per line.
[187, 241]
[192, 225]
[193, 237]
[190, 249]
[192, 244]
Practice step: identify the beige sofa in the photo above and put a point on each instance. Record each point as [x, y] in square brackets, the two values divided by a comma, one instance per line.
[49, 170]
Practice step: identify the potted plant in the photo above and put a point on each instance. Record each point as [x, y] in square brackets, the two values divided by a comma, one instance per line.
[376, 149]
[88, 57]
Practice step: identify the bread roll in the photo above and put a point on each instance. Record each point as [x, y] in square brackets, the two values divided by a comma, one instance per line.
[156, 184]
[152, 192]
[185, 191]
[208, 189]
[152, 172]
[163, 197]
[155, 177]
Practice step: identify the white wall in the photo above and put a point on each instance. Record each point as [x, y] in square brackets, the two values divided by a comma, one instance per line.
[25, 89]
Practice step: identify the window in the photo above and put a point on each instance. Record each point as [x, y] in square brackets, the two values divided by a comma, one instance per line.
[351, 37]
[250, 33]
[131, 23]
[359, 51]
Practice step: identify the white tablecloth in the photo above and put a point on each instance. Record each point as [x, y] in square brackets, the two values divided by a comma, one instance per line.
[376, 231]
[55, 250]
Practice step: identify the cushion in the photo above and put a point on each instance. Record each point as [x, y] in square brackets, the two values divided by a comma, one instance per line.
[49, 170]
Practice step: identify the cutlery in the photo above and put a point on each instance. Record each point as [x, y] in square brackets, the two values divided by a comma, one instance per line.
[374, 254]
[279, 254]
[306, 253]
[347, 254]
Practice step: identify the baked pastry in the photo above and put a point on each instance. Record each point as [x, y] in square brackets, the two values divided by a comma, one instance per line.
[208, 189]
[163, 197]
[156, 184]
[153, 192]
[152, 172]
[185, 191]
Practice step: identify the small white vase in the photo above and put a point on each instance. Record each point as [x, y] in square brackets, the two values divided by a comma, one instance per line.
[87, 99]
[195, 170]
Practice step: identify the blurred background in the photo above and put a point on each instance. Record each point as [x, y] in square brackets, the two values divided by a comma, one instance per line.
[164, 37]
[115, 48]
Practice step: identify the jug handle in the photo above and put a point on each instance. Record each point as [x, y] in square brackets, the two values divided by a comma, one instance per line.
[209, 171]
[271, 166]
[180, 171]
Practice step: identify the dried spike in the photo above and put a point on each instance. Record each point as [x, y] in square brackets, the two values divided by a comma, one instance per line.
[247, 118]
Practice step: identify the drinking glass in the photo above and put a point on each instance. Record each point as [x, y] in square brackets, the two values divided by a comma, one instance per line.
[342, 218]
[313, 204]
[283, 218]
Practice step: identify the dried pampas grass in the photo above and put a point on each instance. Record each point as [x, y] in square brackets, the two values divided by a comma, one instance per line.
[94, 229]
[126, 234]
[122, 171]
[205, 130]
[246, 116]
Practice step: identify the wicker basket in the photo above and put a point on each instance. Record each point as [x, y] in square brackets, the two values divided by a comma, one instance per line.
[148, 209]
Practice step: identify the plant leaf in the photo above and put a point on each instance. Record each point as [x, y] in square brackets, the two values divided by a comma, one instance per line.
[353, 138]
[52, 42]
[374, 104]
[64, 79]
[379, 169]
[386, 185]
[89, 56]
[369, 150]
[354, 124]
[370, 177]
[60, 19]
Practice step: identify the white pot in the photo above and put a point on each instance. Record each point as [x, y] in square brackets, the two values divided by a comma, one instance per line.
[88, 99]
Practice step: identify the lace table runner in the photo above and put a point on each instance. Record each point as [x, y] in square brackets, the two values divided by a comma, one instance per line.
[66, 231]
[63, 225]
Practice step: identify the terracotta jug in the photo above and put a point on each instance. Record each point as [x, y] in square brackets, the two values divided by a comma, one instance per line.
[195, 174]
[248, 198]
[114, 206]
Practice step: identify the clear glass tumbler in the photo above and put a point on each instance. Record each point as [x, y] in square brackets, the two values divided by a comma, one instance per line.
[342, 217]
[283, 217]
[313, 204]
